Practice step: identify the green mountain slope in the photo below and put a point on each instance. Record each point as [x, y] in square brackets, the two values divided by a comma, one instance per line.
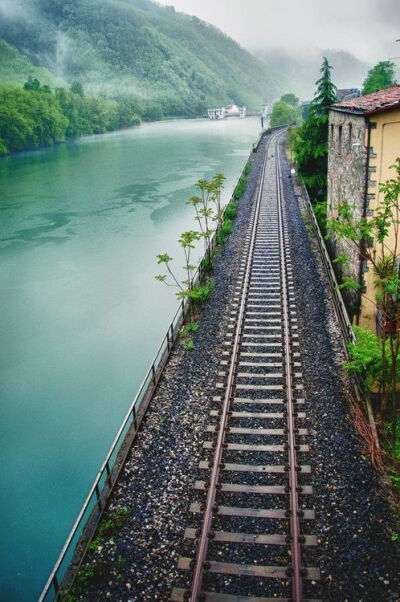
[173, 63]
[15, 68]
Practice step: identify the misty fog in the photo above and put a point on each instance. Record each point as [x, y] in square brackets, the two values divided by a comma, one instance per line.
[293, 36]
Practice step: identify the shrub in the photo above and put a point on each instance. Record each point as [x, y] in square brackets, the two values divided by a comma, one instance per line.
[248, 168]
[240, 188]
[206, 264]
[226, 227]
[230, 211]
[188, 329]
[188, 345]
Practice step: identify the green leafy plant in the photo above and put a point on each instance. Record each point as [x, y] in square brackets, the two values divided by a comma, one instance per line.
[240, 188]
[188, 345]
[186, 241]
[221, 239]
[369, 237]
[248, 167]
[206, 264]
[227, 227]
[188, 329]
[395, 481]
[201, 294]
[230, 210]
[320, 210]
[307, 224]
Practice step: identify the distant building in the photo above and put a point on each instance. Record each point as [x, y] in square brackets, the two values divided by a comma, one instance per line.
[364, 141]
[218, 113]
[229, 111]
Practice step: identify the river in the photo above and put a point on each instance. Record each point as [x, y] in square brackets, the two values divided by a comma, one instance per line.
[81, 311]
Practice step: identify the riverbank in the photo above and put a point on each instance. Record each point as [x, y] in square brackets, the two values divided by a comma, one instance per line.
[36, 117]
[138, 560]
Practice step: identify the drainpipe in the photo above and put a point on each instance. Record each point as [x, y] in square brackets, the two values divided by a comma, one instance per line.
[364, 213]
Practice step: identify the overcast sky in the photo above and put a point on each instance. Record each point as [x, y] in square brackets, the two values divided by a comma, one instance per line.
[367, 28]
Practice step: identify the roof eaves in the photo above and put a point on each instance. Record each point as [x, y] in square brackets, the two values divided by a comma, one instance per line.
[383, 108]
[346, 110]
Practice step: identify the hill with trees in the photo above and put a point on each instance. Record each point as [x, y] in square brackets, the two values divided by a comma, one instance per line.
[168, 63]
[15, 69]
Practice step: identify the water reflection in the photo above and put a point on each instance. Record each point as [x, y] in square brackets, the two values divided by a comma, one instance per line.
[37, 235]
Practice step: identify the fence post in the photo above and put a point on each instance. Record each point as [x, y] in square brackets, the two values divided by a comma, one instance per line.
[55, 584]
[134, 417]
[98, 497]
[108, 479]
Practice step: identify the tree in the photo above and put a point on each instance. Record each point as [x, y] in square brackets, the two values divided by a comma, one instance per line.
[377, 241]
[326, 91]
[379, 77]
[32, 84]
[77, 88]
[282, 113]
[290, 99]
[310, 141]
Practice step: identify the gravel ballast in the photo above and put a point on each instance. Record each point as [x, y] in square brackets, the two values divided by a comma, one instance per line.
[139, 562]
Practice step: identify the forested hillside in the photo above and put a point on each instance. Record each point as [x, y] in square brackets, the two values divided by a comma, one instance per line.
[15, 68]
[168, 62]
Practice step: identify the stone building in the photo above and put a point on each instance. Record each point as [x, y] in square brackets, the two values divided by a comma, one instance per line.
[364, 141]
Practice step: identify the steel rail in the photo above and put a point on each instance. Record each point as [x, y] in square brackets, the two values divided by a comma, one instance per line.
[196, 588]
[296, 556]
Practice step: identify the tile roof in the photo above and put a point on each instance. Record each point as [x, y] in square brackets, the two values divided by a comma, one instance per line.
[371, 103]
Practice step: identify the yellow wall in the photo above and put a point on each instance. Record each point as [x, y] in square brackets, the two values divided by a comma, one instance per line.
[385, 144]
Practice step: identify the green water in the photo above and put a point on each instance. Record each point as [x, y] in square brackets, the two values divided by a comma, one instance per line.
[81, 313]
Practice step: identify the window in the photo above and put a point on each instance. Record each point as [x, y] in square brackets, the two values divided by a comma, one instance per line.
[340, 140]
[350, 135]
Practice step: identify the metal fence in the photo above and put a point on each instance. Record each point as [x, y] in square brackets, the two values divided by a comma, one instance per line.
[83, 529]
[340, 310]
[338, 303]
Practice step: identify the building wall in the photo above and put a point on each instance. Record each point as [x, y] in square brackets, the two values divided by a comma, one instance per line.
[384, 149]
[347, 159]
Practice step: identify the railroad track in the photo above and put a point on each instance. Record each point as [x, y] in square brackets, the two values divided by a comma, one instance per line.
[254, 542]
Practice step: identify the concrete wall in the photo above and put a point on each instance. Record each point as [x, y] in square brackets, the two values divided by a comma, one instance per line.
[347, 160]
